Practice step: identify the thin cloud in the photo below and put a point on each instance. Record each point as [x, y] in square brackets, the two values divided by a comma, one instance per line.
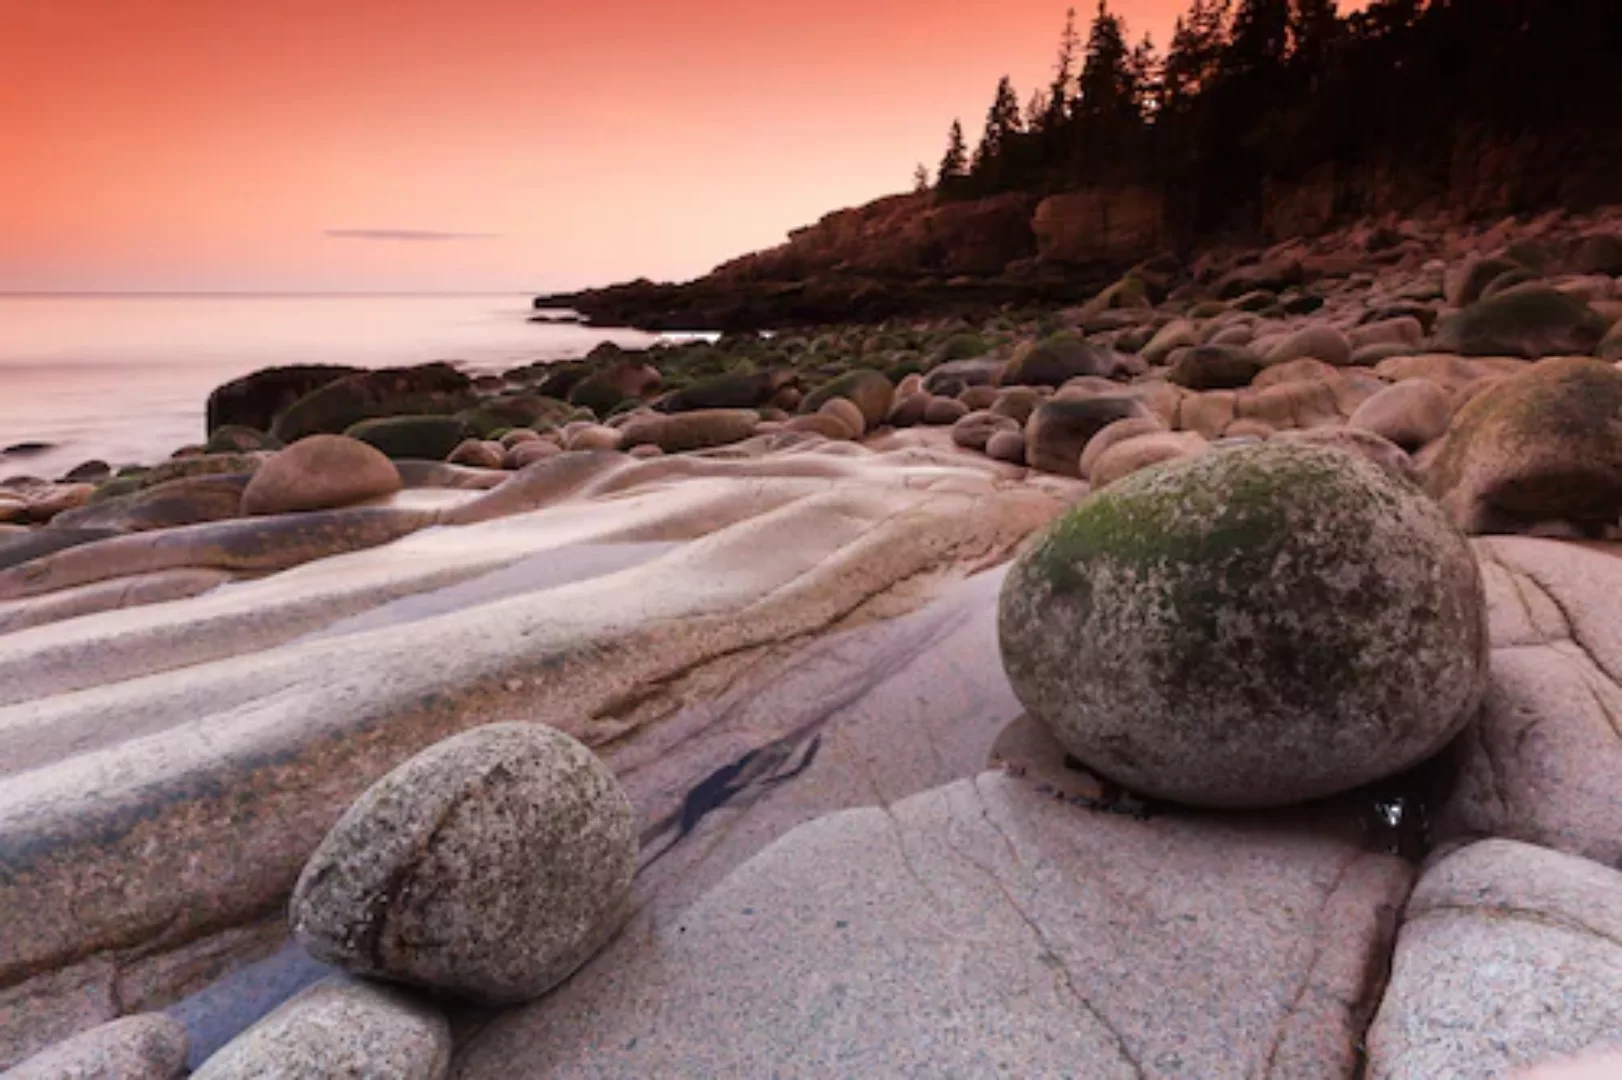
[407, 235]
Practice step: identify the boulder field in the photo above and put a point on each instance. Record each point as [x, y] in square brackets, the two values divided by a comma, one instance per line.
[1216, 679]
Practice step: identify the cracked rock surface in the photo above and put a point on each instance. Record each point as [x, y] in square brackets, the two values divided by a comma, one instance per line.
[1541, 764]
[986, 928]
[1510, 956]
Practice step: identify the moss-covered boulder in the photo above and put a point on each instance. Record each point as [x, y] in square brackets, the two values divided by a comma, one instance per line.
[1056, 359]
[1059, 430]
[1541, 445]
[422, 438]
[1215, 367]
[257, 399]
[952, 378]
[1530, 321]
[1256, 626]
[963, 346]
[236, 439]
[1466, 284]
[202, 465]
[744, 390]
[869, 390]
[1600, 253]
[427, 389]
[500, 414]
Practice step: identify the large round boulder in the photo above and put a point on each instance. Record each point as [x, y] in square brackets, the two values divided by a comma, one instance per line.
[1059, 430]
[1411, 413]
[1056, 359]
[1214, 367]
[320, 473]
[1530, 321]
[865, 388]
[1255, 626]
[1541, 445]
[417, 438]
[491, 866]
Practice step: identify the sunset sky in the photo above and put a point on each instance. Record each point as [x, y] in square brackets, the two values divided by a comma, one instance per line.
[472, 144]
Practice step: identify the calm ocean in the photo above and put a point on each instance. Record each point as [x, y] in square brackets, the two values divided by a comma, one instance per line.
[125, 378]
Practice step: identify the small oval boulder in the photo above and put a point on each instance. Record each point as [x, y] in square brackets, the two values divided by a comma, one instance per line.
[491, 866]
[321, 472]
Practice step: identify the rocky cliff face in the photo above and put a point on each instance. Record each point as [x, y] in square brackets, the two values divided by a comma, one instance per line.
[901, 236]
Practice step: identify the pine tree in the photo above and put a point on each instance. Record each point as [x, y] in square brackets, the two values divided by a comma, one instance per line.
[1260, 38]
[1003, 125]
[1143, 77]
[1062, 93]
[1105, 83]
[920, 178]
[955, 164]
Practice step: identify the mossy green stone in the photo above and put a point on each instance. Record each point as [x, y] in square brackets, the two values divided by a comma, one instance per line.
[1257, 626]
[1530, 321]
[421, 438]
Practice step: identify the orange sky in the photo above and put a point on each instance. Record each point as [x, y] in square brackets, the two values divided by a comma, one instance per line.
[213, 144]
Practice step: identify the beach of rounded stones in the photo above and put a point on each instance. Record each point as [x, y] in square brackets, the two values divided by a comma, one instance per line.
[1215, 679]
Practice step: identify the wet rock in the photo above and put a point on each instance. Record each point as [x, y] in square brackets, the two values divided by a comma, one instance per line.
[1058, 431]
[526, 453]
[339, 1028]
[1530, 321]
[1258, 626]
[1402, 330]
[1177, 334]
[847, 414]
[38, 503]
[189, 500]
[942, 412]
[491, 865]
[735, 391]
[867, 389]
[1365, 444]
[950, 379]
[1007, 446]
[976, 429]
[598, 437]
[977, 398]
[1319, 342]
[1599, 254]
[417, 438]
[478, 454]
[256, 400]
[824, 424]
[146, 1047]
[1508, 957]
[1127, 456]
[1410, 414]
[1508, 280]
[88, 472]
[1113, 433]
[320, 473]
[1017, 402]
[1268, 276]
[1302, 403]
[1215, 367]
[236, 439]
[1610, 346]
[909, 410]
[495, 415]
[681, 432]
[1542, 445]
[1474, 276]
[979, 929]
[1054, 360]
[427, 389]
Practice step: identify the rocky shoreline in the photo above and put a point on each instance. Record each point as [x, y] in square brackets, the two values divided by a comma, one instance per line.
[717, 710]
